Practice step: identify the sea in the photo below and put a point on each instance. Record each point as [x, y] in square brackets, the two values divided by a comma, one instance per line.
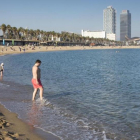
[93, 94]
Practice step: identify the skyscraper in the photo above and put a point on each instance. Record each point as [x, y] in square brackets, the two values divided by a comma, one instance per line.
[109, 21]
[125, 25]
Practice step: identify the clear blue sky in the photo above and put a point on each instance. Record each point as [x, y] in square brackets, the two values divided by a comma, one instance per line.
[66, 15]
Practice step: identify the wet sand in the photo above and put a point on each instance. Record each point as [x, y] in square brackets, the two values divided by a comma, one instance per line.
[12, 128]
[29, 49]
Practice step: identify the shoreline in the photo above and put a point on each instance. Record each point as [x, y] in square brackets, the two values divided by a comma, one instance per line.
[4, 50]
[18, 128]
[37, 134]
[13, 127]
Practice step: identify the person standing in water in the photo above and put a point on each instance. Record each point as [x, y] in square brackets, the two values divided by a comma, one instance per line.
[2, 69]
[36, 80]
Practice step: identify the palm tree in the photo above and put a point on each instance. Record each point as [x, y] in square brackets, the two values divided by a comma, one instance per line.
[26, 32]
[37, 34]
[9, 31]
[3, 28]
[42, 33]
[31, 34]
[14, 29]
[18, 33]
[21, 31]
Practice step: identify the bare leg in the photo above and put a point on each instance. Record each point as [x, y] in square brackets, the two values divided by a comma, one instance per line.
[1, 78]
[34, 94]
[41, 93]
[1, 73]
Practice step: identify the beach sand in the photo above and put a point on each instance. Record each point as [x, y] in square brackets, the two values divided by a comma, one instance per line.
[12, 128]
[29, 49]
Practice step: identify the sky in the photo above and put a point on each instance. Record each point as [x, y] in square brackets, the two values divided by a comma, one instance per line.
[66, 15]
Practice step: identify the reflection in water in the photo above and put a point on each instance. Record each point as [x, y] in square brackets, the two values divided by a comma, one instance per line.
[1, 78]
[35, 114]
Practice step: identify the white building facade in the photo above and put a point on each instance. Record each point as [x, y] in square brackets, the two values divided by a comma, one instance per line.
[111, 37]
[94, 34]
[98, 34]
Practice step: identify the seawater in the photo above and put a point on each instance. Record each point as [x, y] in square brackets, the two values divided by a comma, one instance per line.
[93, 94]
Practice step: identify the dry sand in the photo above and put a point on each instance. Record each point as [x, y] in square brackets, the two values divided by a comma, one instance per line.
[29, 49]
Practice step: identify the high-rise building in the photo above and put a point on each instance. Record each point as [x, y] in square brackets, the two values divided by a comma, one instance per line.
[109, 21]
[125, 25]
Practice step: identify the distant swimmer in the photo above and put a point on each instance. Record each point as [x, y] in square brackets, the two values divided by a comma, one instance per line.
[36, 80]
[2, 69]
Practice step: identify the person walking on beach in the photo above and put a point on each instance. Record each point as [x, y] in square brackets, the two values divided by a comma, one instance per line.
[2, 69]
[36, 80]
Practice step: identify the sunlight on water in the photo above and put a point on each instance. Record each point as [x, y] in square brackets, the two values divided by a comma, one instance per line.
[90, 94]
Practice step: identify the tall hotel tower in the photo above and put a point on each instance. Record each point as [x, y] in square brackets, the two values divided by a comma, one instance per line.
[125, 25]
[109, 21]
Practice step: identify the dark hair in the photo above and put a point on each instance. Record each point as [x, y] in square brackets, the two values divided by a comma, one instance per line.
[38, 61]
